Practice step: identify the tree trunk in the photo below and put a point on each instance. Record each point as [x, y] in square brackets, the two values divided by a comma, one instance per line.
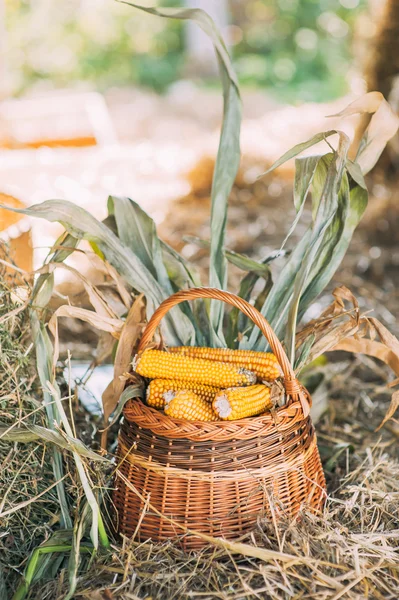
[384, 63]
[382, 74]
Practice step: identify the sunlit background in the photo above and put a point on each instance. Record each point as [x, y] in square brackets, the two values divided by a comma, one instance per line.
[298, 50]
[99, 98]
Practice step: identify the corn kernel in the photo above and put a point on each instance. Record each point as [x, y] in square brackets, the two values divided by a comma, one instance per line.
[241, 402]
[156, 364]
[186, 405]
[158, 387]
[263, 364]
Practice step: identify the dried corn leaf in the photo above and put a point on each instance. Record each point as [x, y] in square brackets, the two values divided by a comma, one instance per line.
[97, 300]
[30, 433]
[119, 283]
[128, 340]
[391, 410]
[113, 326]
[386, 336]
[382, 127]
[371, 348]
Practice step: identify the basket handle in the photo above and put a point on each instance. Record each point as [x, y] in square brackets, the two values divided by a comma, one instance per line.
[292, 386]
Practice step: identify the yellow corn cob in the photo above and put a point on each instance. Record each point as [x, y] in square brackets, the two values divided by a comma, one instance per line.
[263, 364]
[241, 402]
[158, 387]
[157, 364]
[185, 404]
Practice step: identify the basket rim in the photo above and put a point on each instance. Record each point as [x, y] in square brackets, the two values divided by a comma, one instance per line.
[147, 417]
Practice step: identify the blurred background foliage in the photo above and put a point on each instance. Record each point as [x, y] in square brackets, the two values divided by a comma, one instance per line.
[299, 49]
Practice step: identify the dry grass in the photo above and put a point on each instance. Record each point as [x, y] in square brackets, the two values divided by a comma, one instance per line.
[25, 469]
[350, 551]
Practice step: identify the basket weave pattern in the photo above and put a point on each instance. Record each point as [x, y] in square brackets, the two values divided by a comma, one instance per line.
[215, 478]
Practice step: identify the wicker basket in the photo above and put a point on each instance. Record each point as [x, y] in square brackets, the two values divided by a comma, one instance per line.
[215, 478]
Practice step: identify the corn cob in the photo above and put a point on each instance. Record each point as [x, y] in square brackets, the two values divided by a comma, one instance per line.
[241, 402]
[263, 364]
[157, 364]
[186, 405]
[158, 387]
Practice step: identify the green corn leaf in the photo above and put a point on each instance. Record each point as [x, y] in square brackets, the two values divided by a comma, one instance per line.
[137, 231]
[337, 228]
[226, 168]
[298, 149]
[324, 166]
[228, 155]
[305, 169]
[337, 239]
[239, 323]
[181, 273]
[44, 285]
[176, 327]
[44, 353]
[240, 260]
[132, 391]
[28, 433]
[355, 172]
[46, 559]
[277, 302]
[304, 352]
[326, 211]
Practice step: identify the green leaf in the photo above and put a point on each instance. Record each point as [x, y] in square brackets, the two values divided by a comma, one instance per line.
[180, 272]
[325, 212]
[305, 169]
[300, 278]
[319, 179]
[176, 327]
[239, 323]
[298, 149]
[44, 285]
[277, 302]
[137, 231]
[46, 559]
[228, 156]
[25, 433]
[240, 260]
[337, 239]
[304, 352]
[226, 168]
[132, 391]
[355, 172]
[45, 369]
